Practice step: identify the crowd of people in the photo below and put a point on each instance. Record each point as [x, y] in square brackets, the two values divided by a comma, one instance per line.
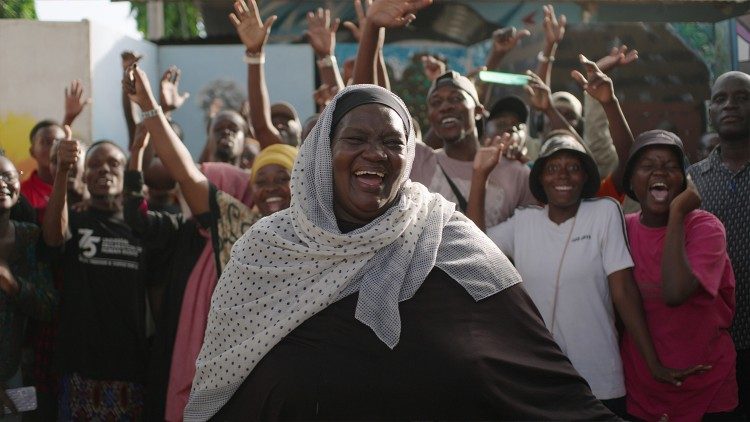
[352, 266]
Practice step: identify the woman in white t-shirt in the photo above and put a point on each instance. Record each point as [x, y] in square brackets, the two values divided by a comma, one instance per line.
[574, 260]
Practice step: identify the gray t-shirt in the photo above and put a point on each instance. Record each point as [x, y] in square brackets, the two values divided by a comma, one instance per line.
[507, 185]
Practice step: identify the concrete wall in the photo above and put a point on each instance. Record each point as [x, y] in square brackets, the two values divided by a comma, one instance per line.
[106, 73]
[289, 73]
[38, 60]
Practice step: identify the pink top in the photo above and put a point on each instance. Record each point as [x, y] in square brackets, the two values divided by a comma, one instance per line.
[694, 333]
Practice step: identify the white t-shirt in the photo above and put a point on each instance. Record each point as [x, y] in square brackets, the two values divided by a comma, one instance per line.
[584, 320]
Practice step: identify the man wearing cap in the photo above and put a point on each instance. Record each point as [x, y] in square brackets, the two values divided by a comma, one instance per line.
[453, 109]
[507, 113]
[723, 180]
[285, 119]
[591, 125]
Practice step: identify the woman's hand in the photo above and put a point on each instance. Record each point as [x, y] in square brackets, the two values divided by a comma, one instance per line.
[136, 85]
[169, 90]
[686, 201]
[554, 28]
[676, 376]
[617, 57]
[538, 91]
[252, 31]
[394, 13]
[488, 156]
[321, 32]
[596, 83]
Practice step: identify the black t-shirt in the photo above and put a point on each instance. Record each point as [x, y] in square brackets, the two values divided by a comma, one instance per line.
[103, 305]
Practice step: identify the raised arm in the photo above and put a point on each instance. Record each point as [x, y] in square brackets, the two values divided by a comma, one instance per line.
[381, 14]
[128, 58]
[170, 98]
[539, 97]
[599, 86]
[74, 102]
[554, 31]
[678, 280]
[321, 34]
[254, 35]
[173, 153]
[485, 161]
[55, 225]
[504, 40]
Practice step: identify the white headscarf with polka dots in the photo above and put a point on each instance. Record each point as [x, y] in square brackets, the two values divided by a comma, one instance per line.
[293, 264]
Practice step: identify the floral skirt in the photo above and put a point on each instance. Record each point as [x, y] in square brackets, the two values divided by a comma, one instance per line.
[86, 399]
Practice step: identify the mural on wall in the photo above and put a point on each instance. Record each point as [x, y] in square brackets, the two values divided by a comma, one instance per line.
[404, 65]
[711, 41]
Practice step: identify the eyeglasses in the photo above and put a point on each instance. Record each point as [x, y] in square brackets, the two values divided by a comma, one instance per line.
[10, 177]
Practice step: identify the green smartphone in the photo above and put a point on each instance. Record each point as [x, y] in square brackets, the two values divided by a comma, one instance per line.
[503, 78]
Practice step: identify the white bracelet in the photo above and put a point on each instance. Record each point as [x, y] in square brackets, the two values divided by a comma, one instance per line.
[544, 59]
[254, 58]
[327, 61]
[156, 111]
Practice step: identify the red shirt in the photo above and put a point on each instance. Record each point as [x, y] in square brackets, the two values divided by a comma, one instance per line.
[37, 192]
[693, 333]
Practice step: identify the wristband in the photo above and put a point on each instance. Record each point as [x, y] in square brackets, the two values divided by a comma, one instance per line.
[327, 61]
[156, 111]
[544, 59]
[254, 58]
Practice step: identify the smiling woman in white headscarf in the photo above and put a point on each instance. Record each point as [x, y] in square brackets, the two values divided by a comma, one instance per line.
[371, 298]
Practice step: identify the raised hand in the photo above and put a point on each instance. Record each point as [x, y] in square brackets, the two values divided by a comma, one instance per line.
[74, 101]
[324, 94]
[554, 28]
[515, 144]
[252, 31]
[617, 57]
[505, 39]
[136, 86]
[596, 83]
[68, 152]
[321, 32]
[394, 13]
[169, 90]
[538, 92]
[355, 28]
[489, 155]
[433, 67]
[129, 57]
